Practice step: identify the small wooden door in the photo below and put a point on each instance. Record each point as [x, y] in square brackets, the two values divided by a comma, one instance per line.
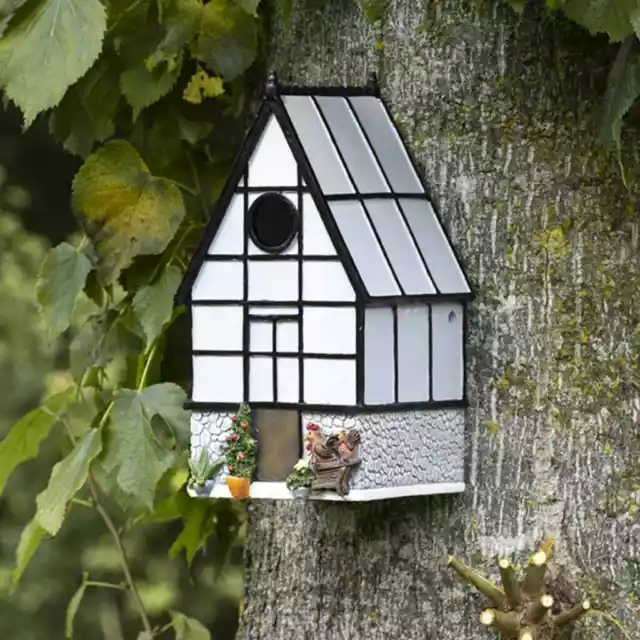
[279, 443]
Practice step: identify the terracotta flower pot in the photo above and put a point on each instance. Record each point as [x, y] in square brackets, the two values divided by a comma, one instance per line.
[239, 487]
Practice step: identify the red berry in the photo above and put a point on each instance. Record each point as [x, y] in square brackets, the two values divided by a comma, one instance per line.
[230, 468]
[241, 456]
[234, 436]
[309, 446]
[233, 418]
[244, 425]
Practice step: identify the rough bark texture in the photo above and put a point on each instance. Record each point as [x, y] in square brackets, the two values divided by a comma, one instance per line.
[499, 112]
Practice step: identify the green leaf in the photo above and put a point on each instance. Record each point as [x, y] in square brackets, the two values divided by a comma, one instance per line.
[623, 87]
[250, 6]
[72, 609]
[153, 304]
[30, 539]
[134, 454]
[88, 110]
[517, 5]
[188, 628]
[286, 7]
[228, 39]
[374, 10]
[181, 24]
[126, 211]
[67, 478]
[198, 526]
[23, 440]
[603, 16]
[143, 87]
[201, 86]
[62, 279]
[167, 401]
[47, 47]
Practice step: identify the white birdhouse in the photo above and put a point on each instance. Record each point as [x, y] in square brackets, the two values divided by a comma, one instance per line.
[325, 290]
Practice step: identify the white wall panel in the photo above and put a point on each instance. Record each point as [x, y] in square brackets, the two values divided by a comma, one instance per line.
[217, 379]
[413, 354]
[316, 240]
[272, 163]
[218, 281]
[326, 281]
[288, 379]
[287, 336]
[260, 336]
[329, 381]
[329, 330]
[379, 375]
[273, 311]
[229, 238]
[273, 280]
[260, 379]
[292, 249]
[448, 359]
[216, 328]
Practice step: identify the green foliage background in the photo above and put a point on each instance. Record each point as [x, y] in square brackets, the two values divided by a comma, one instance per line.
[152, 98]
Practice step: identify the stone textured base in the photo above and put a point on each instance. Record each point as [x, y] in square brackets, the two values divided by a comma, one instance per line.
[402, 452]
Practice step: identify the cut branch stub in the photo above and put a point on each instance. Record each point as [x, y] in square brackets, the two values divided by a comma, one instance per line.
[482, 584]
[507, 623]
[510, 582]
[529, 633]
[539, 609]
[534, 578]
[572, 614]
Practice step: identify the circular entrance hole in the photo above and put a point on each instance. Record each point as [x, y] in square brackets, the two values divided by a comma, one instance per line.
[273, 222]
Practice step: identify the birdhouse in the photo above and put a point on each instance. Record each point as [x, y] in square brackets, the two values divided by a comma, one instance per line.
[327, 302]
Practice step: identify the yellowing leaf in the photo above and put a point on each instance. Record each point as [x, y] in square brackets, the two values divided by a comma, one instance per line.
[47, 47]
[72, 609]
[153, 304]
[228, 38]
[62, 279]
[126, 211]
[143, 87]
[188, 628]
[67, 478]
[30, 539]
[201, 86]
[134, 455]
[23, 440]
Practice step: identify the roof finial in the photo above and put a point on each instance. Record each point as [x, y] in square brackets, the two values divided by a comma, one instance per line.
[271, 88]
[372, 84]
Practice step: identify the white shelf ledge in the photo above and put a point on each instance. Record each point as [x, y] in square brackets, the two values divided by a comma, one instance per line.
[279, 491]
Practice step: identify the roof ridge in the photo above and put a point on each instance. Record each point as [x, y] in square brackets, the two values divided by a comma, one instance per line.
[274, 88]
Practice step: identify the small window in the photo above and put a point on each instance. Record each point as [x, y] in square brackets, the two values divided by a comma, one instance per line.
[273, 222]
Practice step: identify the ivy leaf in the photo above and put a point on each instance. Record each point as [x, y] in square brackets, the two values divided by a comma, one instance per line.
[188, 628]
[126, 211]
[167, 401]
[143, 87]
[30, 539]
[603, 16]
[72, 609]
[228, 38]
[87, 112]
[623, 87]
[153, 304]
[201, 86]
[198, 526]
[61, 280]
[67, 478]
[23, 440]
[134, 455]
[47, 47]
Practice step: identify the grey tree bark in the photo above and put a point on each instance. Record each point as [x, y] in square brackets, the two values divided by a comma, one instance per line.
[499, 111]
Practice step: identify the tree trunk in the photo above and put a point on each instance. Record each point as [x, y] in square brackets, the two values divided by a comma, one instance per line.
[499, 111]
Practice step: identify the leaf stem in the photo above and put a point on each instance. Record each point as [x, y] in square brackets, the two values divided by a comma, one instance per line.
[124, 562]
[196, 179]
[147, 367]
[83, 503]
[106, 585]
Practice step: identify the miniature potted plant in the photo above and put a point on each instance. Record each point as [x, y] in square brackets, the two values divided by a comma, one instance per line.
[240, 454]
[300, 479]
[203, 471]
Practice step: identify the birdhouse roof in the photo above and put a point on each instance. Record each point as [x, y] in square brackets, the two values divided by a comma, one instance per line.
[367, 189]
